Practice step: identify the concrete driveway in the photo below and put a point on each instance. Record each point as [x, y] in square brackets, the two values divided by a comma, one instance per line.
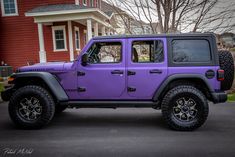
[120, 132]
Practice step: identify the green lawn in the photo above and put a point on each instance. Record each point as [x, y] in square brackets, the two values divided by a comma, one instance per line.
[232, 49]
[1, 87]
[231, 97]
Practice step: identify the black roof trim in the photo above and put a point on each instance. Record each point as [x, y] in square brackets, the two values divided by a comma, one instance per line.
[155, 35]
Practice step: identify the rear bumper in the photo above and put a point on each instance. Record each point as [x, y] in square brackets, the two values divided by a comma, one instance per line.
[6, 94]
[219, 97]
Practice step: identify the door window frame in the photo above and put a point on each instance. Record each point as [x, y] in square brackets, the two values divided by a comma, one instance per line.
[110, 41]
[213, 52]
[142, 64]
[132, 42]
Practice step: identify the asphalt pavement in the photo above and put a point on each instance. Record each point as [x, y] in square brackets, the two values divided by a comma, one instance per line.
[121, 132]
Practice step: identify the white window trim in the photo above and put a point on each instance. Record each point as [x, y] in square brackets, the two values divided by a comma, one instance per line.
[92, 3]
[77, 29]
[99, 3]
[85, 4]
[77, 2]
[54, 28]
[3, 9]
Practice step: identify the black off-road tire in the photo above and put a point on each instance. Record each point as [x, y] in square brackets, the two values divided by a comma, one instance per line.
[174, 95]
[227, 64]
[45, 99]
[60, 108]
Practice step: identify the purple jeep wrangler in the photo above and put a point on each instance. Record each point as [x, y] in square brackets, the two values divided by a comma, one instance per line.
[178, 74]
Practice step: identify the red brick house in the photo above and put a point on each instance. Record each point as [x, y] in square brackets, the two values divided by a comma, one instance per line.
[48, 30]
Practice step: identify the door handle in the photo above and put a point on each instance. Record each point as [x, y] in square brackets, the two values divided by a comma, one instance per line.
[155, 71]
[131, 73]
[117, 72]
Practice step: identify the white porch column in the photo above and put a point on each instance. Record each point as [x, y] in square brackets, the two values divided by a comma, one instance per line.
[42, 52]
[96, 29]
[108, 31]
[103, 31]
[89, 30]
[71, 50]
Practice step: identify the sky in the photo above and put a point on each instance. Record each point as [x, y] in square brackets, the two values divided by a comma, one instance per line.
[220, 6]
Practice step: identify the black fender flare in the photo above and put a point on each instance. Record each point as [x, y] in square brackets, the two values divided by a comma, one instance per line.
[171, 78]
[50, 81]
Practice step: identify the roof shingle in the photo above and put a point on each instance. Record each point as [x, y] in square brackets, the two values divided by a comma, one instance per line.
[57, 7]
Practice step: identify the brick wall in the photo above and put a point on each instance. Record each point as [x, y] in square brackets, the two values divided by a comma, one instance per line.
[19, 36]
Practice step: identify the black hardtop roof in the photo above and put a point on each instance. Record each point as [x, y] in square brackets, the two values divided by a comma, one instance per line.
[155, 35]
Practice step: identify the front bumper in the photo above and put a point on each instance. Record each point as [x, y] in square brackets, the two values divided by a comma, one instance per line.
[6, 94]
[219, 97]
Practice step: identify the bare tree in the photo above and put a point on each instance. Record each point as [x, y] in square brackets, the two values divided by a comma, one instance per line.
[181, 15]
[134, 12]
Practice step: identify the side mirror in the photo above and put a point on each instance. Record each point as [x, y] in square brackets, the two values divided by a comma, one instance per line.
[84, 59]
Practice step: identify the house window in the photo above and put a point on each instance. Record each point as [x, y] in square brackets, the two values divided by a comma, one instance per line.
[9, 7]
[59, 38]
[77, 2]
[85, 2]
[77, 38]
[85, 37]
[92, 3]
[97, 3]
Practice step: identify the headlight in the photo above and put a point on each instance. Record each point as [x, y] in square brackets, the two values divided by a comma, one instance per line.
[10, 79]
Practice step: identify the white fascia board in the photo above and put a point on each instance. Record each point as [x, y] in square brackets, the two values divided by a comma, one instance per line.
[70, 17]
[67, 12]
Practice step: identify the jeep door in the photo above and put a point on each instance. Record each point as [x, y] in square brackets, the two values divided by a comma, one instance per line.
[147, 66]
[104, 75]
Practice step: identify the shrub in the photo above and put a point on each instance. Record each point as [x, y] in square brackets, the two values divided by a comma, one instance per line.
[1, 87]
[232, 49]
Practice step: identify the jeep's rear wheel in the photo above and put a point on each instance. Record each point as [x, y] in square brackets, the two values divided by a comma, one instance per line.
[31, 107]
[226, 63]
[184, 108]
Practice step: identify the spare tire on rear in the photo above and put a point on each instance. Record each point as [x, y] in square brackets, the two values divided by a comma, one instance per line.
[227, 64]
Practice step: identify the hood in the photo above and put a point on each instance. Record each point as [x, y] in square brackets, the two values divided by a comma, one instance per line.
[49, 67]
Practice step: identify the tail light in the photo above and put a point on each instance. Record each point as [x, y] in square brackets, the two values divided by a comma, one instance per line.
[220, 75]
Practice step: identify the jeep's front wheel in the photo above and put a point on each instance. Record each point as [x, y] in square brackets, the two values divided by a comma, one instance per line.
[31, 107]
[60, 108]
[184, 108]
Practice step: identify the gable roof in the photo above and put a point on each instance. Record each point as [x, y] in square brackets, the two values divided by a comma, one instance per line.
[106, 7]
[57, 7]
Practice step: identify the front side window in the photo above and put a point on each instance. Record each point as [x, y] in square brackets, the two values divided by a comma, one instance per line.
[191, 51]
[59, 38]
[147, 51]
[9, 7]
[105, 52]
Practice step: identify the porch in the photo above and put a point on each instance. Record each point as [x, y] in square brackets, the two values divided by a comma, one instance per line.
[70, 28]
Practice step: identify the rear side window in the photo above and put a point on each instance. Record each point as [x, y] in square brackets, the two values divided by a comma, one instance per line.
[191, 51]
[147, 51]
